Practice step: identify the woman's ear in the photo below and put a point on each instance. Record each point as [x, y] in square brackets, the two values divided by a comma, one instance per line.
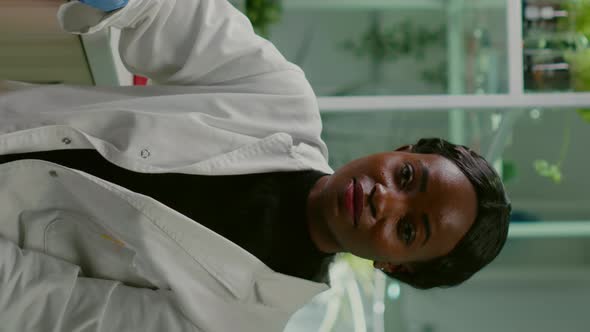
[404, 148]
[392, 268]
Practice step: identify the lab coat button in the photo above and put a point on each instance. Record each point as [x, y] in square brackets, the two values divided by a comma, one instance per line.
[66, 140]
[145, 153]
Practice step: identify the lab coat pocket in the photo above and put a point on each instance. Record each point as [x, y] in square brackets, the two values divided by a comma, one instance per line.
[80, 240]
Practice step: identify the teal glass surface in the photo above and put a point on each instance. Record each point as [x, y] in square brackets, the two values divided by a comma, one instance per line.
[395, 47]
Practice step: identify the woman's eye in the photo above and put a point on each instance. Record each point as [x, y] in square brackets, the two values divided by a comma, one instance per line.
[407, 174]
[408, 233]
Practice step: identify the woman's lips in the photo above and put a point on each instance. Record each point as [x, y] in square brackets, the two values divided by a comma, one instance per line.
[349, 201]
[358, 201]
[354, 201]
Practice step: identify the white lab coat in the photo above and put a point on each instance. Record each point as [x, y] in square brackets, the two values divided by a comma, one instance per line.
[81, 254]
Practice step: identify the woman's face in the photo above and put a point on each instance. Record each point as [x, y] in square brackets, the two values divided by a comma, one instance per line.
[397, 207]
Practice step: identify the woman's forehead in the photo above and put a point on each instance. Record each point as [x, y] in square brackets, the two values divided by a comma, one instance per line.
[453, 203]
[439, 164]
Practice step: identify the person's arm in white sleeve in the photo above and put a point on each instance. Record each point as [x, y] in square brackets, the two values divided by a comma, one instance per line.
[42, 293]
[209, 44]
[185, 42]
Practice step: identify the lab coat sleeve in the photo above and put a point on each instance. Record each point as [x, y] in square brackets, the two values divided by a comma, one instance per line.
[42, 293]
[189, 42]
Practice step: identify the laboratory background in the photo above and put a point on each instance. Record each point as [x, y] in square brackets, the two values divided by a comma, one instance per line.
[509, 78]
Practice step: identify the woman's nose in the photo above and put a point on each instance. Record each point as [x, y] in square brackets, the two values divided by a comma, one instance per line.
[386, 202]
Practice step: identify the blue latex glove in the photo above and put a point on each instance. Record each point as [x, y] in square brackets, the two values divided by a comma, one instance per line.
[105, 5]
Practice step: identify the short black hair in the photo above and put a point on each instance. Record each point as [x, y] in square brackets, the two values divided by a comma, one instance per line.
[486, 237]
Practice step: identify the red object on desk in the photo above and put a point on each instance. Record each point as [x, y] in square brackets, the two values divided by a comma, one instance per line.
[139, 80]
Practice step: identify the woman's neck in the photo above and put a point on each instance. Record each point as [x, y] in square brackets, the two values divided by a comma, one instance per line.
[319, 231]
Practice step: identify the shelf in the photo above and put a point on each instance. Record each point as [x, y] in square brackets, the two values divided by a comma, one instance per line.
[446, 102]
[550, 229]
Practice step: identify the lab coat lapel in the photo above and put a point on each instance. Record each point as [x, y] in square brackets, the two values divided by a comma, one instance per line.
[244, 275]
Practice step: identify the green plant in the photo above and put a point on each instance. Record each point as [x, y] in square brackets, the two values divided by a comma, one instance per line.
[578, 21]
[553, 170]
[390, 44]
[263, 13]
[393, 42]
[579, 61]
[585, 115]
[545, 169]
[578, 18]
[509, 171]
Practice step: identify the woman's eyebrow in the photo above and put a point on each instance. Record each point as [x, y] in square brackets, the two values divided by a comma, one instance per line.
[423, 184]
[426, 223]
[424, 177]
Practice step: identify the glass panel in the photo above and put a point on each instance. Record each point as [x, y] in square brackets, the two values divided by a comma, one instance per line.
[556, 53]
[388, 47]
[544, 165]
[354, 134]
